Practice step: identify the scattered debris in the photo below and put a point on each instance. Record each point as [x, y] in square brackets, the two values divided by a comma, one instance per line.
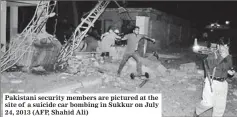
[192, 88]
[156, 55]
[16, 81]
[13, 91]
[77, 90]
[11, 76]
[168, 61]
[20, 91]
[4, 79]
[174, 56]
[171, 72]
[39, 70]
[180, 74]
[235, 93]
[154, 69]
[188, 67]
[201, 72]
[64, 75]
[161, 69]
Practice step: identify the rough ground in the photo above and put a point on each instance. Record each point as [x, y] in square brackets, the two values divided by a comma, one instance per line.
[180, 87]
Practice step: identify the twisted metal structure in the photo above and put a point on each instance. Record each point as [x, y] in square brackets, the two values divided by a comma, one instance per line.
[74, 42]
[11, 56]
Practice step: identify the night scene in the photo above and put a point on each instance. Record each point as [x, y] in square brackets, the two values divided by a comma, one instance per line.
[184, 50]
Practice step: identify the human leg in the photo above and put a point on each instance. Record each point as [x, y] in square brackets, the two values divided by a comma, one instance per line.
[201, 108]
[139, 64]
[219, 105]
[207, 99]
[126, 56]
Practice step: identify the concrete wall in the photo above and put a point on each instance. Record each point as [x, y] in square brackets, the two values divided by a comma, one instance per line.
[158, 31]
[112, 14]
[165, 28]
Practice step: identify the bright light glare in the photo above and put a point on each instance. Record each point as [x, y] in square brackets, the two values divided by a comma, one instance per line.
[196, 48]
[227, 22]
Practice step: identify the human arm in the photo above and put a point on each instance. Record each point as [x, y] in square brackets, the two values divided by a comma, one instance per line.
[125, 37]
[231, 70]
[148, 38]
[117, 36]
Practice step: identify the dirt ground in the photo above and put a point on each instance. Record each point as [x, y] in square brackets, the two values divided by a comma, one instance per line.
[180, 89]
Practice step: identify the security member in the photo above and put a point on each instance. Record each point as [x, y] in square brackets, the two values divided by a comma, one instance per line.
[224, 69]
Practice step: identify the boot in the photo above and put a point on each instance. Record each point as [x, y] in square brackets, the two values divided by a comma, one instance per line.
[195, 114]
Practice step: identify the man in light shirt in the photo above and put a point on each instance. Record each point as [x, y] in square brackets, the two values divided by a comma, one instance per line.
[108, 40]
[223, 69]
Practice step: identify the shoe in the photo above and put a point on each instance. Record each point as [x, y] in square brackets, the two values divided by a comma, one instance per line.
[146, 75]
[195, 114]
[132, 76]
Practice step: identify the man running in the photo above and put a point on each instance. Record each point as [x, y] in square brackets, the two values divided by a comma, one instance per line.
[131, 50]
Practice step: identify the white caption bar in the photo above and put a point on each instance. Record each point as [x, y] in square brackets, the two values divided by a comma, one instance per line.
[74, 105]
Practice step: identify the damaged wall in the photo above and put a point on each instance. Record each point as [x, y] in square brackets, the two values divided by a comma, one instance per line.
[167, 29]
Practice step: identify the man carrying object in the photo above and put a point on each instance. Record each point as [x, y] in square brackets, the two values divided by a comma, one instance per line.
[223, 69]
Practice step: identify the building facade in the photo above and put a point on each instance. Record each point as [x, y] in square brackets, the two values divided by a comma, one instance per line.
[168, 30]
[13, 6]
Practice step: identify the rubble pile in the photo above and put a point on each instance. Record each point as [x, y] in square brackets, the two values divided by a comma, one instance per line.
[46, 49]
[35, 50]
[87, 65]
[15, 42]
[110, 81]
[83, 64]
[155, 69]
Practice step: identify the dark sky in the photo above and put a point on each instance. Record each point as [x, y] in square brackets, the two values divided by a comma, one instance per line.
[200, 13]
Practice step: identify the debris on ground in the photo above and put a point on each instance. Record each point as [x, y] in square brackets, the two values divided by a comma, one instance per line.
[200, 72]
[20, 91]
[235, 93]
[154, 69]
[64, 75]
[189, 67]
[192, 88]
[166, 56]
[180, 87]
[39, 70]
[83, 65]
[4, 79]
[16, 81]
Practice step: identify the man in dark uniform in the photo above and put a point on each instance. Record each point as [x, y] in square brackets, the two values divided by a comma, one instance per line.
[221, 63]
[131, 50]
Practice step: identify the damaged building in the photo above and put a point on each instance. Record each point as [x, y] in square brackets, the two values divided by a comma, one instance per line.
[165, 28]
